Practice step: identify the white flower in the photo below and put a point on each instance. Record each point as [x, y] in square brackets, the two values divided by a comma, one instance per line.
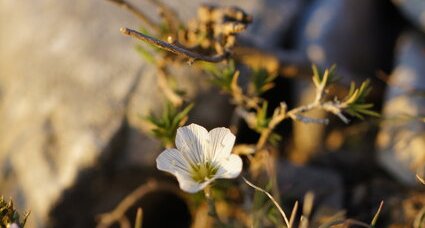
[200, 157]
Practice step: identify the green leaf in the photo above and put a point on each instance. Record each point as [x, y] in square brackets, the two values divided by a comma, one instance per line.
[145, 54]
[221, 76]
[369, 112]
[181, 115]
[355, 101]
[261, 118]
[262, 81]
[166, 124]
[324, 78]
[274, 138]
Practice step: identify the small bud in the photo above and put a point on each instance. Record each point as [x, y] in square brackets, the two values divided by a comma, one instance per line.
[171, 40]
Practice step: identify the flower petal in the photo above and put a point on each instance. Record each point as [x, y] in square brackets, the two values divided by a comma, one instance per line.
[192, 141]
[172, 161]
[187, 184]
[222, 141]
[229, 167]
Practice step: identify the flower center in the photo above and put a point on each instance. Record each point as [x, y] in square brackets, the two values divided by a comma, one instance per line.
[203, 172]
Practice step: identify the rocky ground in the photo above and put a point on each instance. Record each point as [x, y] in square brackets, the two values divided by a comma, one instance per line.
[72, 90]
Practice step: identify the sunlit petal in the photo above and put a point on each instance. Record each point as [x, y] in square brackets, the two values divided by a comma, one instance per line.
[230, 167]
[187, 184]
[193, 142]
[221, 143]
[172, 161]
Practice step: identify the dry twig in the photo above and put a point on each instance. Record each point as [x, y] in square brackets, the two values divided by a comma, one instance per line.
[420, 179]
[163, 84]
[118, 214]
[378, 212]
[192, 56]
[288, 224]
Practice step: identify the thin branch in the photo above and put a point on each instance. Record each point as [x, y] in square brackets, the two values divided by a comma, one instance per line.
[378, 212]
[278, 116]
[307, 209]
[419, 219]
[136, 12]
[192, 56]
[271, 198]
[337, 218]
[293, 214]
[117, 215]
[124, 222]
[139, 218]
[420, 179]
[331, 106]
[350, 222]
[306, 119]
[163, 84]
[212, 210]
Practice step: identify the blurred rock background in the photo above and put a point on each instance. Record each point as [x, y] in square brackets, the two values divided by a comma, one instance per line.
[72, 90]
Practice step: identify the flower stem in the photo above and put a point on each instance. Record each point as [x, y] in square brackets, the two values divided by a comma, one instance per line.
[212, 211]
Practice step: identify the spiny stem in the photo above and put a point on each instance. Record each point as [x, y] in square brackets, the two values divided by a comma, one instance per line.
[192, 56]
[116, 215]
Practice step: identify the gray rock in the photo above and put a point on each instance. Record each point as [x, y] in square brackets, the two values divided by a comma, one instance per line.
[401, 140]
[414, 10]
[65, 77]
[273, 20]
[349, 33]
[72, 90]
[295, 181]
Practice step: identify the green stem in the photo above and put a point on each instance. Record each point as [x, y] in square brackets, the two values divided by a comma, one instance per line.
[212, 211]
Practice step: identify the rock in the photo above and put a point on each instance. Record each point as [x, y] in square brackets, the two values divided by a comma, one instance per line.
[72, 93]
[65, 77]
[273, 20]
[401, 140]
[413, 10]
[295, 181]
[349, 33]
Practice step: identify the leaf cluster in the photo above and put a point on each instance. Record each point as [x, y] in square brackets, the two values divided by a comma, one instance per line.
[166, 124]
[261, 81]
[9, 215]
[355, 102]
[263, 121]
[324, 78]
[221, 77]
